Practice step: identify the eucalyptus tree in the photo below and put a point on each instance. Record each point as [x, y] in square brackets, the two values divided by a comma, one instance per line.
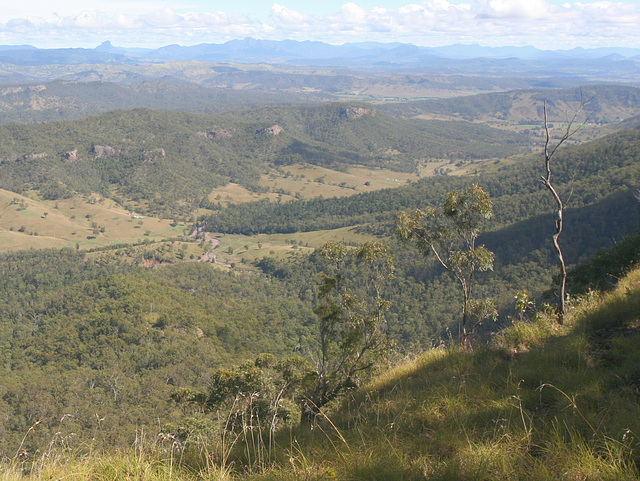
[352, 325]
[450, 232]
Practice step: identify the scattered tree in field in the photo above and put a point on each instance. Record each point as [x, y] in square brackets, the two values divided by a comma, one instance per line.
[450, 232]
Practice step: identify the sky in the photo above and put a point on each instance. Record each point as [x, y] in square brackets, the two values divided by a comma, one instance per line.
[545, 24]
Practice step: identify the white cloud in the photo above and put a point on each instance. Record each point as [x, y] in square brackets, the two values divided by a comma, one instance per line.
[514, 9]
[284, 16]
[351, 14]
[163, 18]
[429, 22]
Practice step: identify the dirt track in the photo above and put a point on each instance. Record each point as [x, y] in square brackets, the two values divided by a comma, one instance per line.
[210, 255]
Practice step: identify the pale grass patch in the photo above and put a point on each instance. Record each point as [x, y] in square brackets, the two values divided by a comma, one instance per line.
[615, 309]
[524, 335]
[494, 459]
[125, 466]
[308, 181]
[233, 193]
[66, 223]
[281, 246]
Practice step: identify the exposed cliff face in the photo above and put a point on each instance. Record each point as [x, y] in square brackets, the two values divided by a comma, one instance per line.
[357, 112]
[104, 151]
[71, 156]
[273, 130]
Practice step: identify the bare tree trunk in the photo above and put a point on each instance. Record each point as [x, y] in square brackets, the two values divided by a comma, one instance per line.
[560, 309]
[559, 215]
[549, 152]
[464, 336]
[466, 293]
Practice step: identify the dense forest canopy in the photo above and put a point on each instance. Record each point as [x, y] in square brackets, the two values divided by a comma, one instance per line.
[82, 337]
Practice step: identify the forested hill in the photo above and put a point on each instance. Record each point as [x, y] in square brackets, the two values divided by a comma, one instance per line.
[584, 174]
[84, 340]
[165, 162]
[93, 347]
[67, 100]
[597, 181]
[602, 104]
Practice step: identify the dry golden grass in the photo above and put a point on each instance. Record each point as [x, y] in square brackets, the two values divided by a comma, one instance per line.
[306, 181]
[26, 223]
[280, 246]
[95, 221]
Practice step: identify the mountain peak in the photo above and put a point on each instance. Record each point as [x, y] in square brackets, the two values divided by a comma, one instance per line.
[106, 47]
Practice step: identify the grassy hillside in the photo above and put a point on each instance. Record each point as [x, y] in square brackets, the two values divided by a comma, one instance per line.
[86, 222]
[539, 402]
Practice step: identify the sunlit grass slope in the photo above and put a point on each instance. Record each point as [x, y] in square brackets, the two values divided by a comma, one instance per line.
[542, 401]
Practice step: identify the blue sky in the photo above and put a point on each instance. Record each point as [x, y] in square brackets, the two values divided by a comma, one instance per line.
[548, 24]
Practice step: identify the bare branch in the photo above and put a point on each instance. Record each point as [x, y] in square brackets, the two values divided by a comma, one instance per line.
[549, 153]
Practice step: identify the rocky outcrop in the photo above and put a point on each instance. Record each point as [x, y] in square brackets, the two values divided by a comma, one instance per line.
[71, 156]
[103, 151]
[151, 155]
[216, 134]
[273, 130]
[357, 112]
[41, 155]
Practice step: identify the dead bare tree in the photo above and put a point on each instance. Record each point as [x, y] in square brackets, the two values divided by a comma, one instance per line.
[549, 152]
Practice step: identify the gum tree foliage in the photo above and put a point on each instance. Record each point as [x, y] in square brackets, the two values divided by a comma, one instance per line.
[352, 325]
[450, 232]
[247, 403]
[256, 394]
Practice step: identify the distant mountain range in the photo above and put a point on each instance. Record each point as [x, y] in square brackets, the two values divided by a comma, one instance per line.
[292, 52]
[367, 70]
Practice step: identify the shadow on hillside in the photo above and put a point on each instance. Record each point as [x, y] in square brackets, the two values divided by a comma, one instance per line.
[587, 229]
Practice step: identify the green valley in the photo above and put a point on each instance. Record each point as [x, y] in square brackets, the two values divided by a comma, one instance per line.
[203, 283]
